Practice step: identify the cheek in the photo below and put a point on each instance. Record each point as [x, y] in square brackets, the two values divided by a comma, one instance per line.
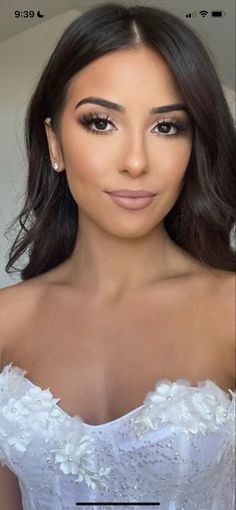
[172, 167]
[84, 165]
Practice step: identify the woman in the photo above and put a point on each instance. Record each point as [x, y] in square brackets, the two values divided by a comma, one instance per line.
[123, 322]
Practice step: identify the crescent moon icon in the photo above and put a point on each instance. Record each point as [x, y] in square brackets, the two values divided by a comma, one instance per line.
[40, 15]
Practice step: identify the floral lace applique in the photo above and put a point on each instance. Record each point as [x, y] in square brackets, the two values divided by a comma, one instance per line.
[75, 455]
[59, 460]
[195, 409]
[22, 417]
[36, 411]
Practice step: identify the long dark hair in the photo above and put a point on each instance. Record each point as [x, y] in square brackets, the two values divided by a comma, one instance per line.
[203, 216]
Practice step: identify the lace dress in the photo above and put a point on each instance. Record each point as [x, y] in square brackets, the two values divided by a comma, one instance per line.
[176, 450]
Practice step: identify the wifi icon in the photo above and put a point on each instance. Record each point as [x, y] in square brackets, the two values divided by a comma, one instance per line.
[203, 13]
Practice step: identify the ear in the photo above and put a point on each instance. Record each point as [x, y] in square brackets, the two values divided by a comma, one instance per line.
[53, 145]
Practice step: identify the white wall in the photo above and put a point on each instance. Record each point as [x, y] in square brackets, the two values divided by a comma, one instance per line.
[21, 59]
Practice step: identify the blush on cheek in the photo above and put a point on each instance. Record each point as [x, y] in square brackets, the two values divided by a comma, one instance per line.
[171, 177]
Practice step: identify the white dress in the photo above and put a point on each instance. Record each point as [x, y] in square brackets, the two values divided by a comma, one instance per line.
[176, 450]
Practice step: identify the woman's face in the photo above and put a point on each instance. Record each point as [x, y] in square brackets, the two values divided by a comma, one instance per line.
[131, 149]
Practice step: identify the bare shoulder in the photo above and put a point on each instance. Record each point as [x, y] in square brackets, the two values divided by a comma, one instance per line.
[225, 284]
[215, 289]
[18, 303]
[223, 291]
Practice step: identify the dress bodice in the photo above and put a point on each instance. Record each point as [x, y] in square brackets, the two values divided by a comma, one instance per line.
[176, 450]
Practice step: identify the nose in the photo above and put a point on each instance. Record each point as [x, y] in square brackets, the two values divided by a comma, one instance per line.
[134, 156]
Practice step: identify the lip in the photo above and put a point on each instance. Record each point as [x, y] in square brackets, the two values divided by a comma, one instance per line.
[131, 193]
[132, 202]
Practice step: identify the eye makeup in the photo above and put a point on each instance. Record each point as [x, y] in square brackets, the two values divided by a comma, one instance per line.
[166, 124]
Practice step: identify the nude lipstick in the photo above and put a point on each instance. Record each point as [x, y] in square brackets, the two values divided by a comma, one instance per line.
[132, 199]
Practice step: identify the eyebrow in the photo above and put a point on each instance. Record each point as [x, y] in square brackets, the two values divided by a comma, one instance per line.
[119, 108]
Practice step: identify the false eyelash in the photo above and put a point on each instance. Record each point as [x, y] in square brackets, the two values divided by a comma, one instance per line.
[87, 119]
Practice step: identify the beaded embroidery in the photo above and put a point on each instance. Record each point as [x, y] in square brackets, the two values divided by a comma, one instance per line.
[176, 448]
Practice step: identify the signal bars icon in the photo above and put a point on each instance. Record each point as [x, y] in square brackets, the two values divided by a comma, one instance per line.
[192, 15]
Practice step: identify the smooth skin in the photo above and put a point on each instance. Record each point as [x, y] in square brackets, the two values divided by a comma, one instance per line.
[119, 250]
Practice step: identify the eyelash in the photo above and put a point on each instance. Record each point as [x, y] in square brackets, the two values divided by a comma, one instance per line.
[88, 119]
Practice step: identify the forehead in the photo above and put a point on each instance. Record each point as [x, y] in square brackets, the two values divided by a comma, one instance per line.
[127, 75]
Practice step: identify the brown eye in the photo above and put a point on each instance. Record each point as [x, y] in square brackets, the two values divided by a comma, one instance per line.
[165, 127]
[100, 122]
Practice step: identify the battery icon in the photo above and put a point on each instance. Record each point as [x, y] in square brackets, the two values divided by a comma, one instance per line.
[218, 14]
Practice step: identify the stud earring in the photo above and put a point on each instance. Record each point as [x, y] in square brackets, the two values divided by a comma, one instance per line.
[55, 165]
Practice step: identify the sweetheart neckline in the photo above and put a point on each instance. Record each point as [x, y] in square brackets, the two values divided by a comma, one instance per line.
[122, 417]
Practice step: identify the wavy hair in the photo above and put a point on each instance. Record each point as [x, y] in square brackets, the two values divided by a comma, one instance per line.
[204, 214]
